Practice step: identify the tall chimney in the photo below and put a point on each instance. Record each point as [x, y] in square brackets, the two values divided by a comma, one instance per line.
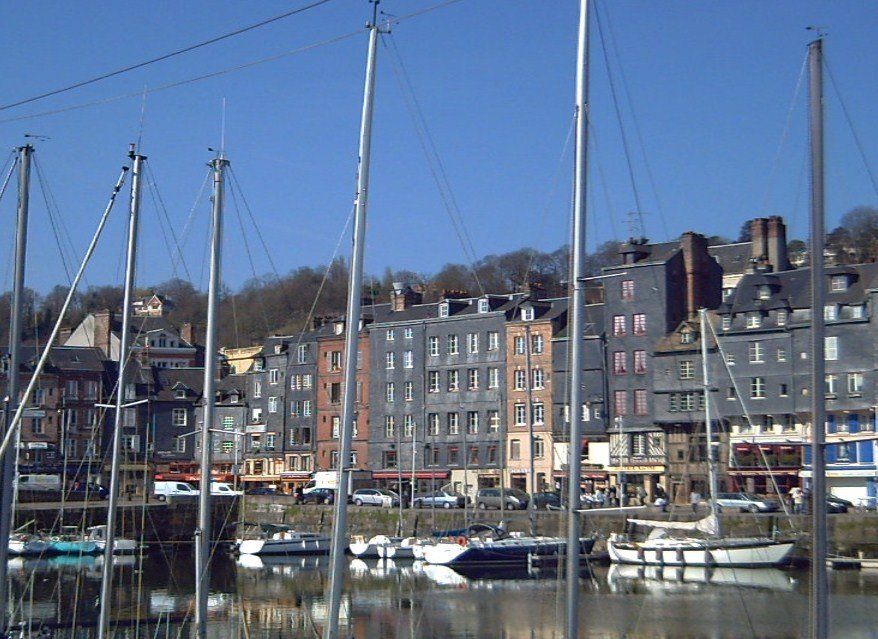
[103, 329]
[777, 244]
[759, 240]
[695, 258]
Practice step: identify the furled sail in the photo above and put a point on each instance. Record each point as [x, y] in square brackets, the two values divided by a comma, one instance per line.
[707, 525]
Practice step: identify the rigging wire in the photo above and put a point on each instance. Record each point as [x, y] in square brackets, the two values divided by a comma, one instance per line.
[434, 160]
[54, 219]
[160, 58]
[255, 225]
[175, 252]
[11, 163]
[260, 290]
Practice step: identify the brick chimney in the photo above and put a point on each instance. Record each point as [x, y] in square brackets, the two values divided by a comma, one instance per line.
[403, 297]
[776, 238]
[535, 291]
[759, 240]
[103, 330]
[696, 262]
[190, 333]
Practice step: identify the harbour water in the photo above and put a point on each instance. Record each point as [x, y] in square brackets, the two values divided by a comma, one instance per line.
[274, 598]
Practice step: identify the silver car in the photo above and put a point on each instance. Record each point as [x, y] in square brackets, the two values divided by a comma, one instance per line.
[375, 497]
[746, 503]
[440, 499]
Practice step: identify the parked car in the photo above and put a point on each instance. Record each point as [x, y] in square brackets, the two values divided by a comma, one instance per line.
[375, 497]
[319, 496]
[837, 504]
[87, 490]
[224, 488]
[514, 498]
[746, 503]
[547, 499]
[263, 490]
[440, 499]
[164, 489]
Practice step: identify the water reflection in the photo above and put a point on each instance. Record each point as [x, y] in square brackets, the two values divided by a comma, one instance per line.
[285, 597]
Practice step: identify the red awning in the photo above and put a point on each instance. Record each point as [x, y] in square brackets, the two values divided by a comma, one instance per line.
[407, 475]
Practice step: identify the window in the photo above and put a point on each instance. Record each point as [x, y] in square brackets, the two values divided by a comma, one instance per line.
[831, 385]
[537, 344]
[453, 456]
[539, 413]
[302, 354]
[333, 459]
[452, 422]
[295, 382]
[620, 402]
[839, 282]
[433, 381]
[306, 408]
[754, 320]
[527, 314]
[639, 362]
[855, 384]
[178, 416]
[484, 306]
[433, 346]
[473, 379]
[273, 376]
[493, 421]
[515, 449]
[520, 377]
[181, 445]
[620, 365]
[730, 359]
[782, 390]
[618, 324]
[256, 415]
[830, 312]
[408, 359]
[258, 364]
[389, 392]
[781, 354]
[638, 445]
[519, 345]
[521, 414]
[272, 404]
[444, 309]
[334, 361]
[687, 401]
[493, 340]
[453, 381]
[91, 389]
[764, 292]
[687, 337]
[433, 423]
[830, 346]
[493, 377]
[687, 369]
[638, 323]
[673, 404]
[782, 316]
[408, 426]
[307, 381]
[36, 425]
[627, 292]
[727, 322]
[408, 333]
[389, 426]
[756, 352]
[408, 390]
[270, 439]
[858, 311]
[451, 345]
[640, 402]
[539, 448]
[538, 378]
[491, 457]
[390, 360]
[472, 343]
[390, 335]
[472, 422]
[757, 387]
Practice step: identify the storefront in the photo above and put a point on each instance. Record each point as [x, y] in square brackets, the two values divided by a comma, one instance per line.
[425, 481]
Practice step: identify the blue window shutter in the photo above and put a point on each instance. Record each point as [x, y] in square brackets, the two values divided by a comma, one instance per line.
[830, 423]
[831, 453]
[806, 455]
[866, 452]
[854, 423]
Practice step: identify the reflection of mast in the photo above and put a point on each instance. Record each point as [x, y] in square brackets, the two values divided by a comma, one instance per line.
[7, 461]
[576, 324]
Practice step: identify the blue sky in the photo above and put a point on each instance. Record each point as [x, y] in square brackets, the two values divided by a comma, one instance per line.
[706, 91]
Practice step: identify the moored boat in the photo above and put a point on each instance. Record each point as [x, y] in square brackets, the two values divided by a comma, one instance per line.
[277, 539]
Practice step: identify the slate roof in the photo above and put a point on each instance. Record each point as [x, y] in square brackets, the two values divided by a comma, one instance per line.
[167, 380]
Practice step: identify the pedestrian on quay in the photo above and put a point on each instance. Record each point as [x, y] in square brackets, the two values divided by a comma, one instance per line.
[695, 499]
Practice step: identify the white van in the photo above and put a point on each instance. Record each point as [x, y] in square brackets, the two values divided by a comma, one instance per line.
[164, 489]
[223, 488]
[38, 482]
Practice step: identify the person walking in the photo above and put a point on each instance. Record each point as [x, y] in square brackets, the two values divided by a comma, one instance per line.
[694, 499]
[797, 496]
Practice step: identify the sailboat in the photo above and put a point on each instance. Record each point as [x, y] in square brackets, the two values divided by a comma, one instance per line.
[710, 549]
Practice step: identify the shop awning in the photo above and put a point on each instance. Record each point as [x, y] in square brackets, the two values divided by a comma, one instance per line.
[407, 475]
[295, 475]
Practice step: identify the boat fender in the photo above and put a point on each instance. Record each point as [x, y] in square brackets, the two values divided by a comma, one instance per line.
[461, 540]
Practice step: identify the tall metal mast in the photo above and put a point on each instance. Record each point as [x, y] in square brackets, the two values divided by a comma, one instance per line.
[7, 461]
[577, 322]
[203, 534]
[531, 506]
[708, 423]
[352, 327]
[819, 595]
[124, 346]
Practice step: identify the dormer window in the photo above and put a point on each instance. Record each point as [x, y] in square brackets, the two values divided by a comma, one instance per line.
[278, 348]
[233, 398]
[338, 328]
[484, 307]
[180, 393]
[527, 314]
[764, 292]
[754, 320]
[727, 322]
[686, 337]
[830, 312]
[258, 365]
[858, 311]
[443, 309]
[839, 283]
[782, 317]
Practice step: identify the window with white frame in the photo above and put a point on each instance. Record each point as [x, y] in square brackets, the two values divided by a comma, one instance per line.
[619, 325]
[839, 282]
[855, 384]
[408, 359]
[270, 440]
[390, 335]
[390, 360]
[272, 404]
[389, 392]
[639, 362]
[408, 391]
[451, 346]
[335, 361]
[472, 342]
[539, 378]
[627, 290]
[726, 322]
[408, 426]
[295, 382]
[307, 381]
[178, 417]
[444, 308]
[306, 408]
[493, 377]
[432, 381]
[757, 352]
[433, 423]
[830, 347]
[638, 323]
[640, 402]
[302, 354]
[638, 444]
[336, 426]
[520, 379]
[408, 332]
[830, 312]
[472, 422]
[620, 402]
[858, 311]
[256, 415]
[687, 369]
[433, 346]
[472, 379]
[493, 340]
[257, 388]
[453, 381]
[754, 319]
[539, 412]
[620, 363]
[452, 421]
[515, 449]
[273, 376]
[519, 345]
[527, 314]
[180, 445]
[521, 414]
[484, 306]
[757, 387]
[493, 417]
[539, 448]
[832, 384]
[537, 343]
[781, 354]
[782, 316]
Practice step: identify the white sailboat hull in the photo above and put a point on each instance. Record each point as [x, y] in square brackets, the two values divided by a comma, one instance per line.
[728, 552]
[288, 543]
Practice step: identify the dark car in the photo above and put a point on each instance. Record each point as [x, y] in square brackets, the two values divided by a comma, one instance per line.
[837, 504]
[263, 490]
[319, 496]
[547, 499]
[87, 490]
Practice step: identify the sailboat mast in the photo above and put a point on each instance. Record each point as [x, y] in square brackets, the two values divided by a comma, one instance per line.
[124, 347]
[819, 594]
[708, 422]
[7, 461]
[577, 323]
[352, 327]
[203, 534]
